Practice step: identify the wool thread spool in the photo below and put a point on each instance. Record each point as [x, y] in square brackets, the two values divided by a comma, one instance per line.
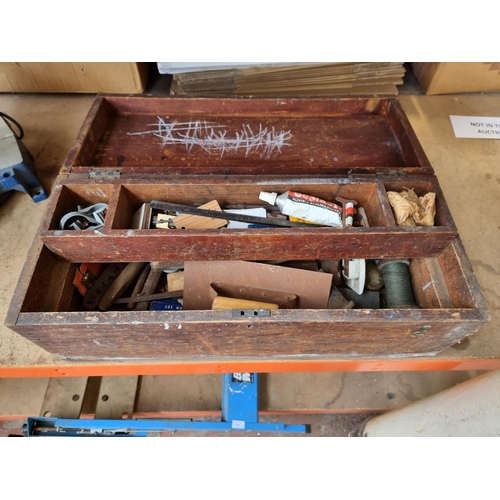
[398, 288]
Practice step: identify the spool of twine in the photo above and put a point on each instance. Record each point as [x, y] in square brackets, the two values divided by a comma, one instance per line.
[398, 288]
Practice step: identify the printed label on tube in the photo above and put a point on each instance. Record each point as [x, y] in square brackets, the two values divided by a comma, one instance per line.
[312, 209]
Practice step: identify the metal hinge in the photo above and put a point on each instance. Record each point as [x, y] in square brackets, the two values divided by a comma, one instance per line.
[389, 173]
[259, 313]
[105, 173]
[421, 331]
[392, 173]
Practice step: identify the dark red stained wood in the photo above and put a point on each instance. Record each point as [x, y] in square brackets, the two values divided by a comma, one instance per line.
[367, 136]
[463, 285]
[287, 334]
[246, 106]
[240, 170]
[254, 244]
[430, 288]
[443, 215]
[328, 136]
[321, 143]
[190, 335]
[411, 149]
[34, 259]
[116, 242]
[67, 198]
[92, 129]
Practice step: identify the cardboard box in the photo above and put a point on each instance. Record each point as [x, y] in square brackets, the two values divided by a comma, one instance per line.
[119, 78]
[457, 78]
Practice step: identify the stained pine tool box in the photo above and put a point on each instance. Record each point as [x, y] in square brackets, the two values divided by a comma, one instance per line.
[191, 151]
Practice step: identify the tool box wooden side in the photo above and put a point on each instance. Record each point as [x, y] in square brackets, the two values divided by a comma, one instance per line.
[446, 289]
[370, 149]
[117, 240]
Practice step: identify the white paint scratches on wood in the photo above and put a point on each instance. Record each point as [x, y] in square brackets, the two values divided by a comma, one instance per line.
[214, 137]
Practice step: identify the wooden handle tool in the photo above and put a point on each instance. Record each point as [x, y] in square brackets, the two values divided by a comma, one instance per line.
[225, 303]
[121, 283]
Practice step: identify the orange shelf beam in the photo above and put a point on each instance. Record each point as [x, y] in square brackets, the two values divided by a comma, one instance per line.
[114, 369]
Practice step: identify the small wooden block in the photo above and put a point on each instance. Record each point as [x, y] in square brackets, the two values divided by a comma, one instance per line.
[225, 303]
[186, 221]
[167, 265]
[165, 218]
[175, 281]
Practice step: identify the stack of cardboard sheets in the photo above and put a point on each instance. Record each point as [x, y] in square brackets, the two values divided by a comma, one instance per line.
[366, 78]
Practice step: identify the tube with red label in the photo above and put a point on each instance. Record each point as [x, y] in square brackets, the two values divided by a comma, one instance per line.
[306, 207]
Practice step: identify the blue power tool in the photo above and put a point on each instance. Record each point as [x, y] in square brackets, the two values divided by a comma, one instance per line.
[240, 412]
[16, 163]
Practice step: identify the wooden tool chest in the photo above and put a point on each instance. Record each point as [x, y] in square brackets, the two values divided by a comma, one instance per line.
[132, 150]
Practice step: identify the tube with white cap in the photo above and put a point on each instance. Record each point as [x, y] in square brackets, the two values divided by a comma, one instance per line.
[305, 207]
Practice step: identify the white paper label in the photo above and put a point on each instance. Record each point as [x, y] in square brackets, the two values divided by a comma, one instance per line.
[476, 127]
[238, 424]
[255, 212]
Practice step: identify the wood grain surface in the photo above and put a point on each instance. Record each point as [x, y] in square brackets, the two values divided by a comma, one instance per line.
[354, 148]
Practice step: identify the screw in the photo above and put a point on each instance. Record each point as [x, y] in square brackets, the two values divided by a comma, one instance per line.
[421, 331]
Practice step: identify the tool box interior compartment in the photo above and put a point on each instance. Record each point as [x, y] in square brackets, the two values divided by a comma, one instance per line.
[51, 315]
[132, 150]
[382, 239]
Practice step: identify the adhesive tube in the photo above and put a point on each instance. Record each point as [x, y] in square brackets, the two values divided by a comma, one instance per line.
[303, 206]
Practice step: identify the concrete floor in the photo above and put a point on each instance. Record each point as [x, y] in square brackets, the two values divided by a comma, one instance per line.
[51, 124]
[467, 170]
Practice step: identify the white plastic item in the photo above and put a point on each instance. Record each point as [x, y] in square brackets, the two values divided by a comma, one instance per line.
[354, 271]
[469, 409]
[306, 207]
